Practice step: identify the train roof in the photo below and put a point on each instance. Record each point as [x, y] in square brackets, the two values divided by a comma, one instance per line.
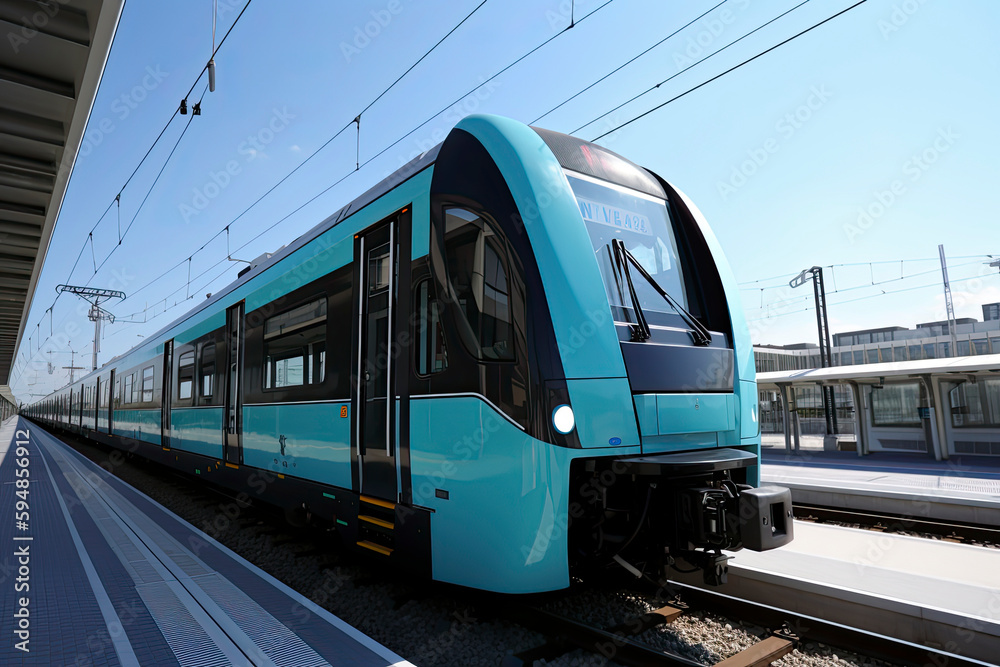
[404, 173]
[572, 153]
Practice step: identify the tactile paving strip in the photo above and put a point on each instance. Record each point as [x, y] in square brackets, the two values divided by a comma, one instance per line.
[276, 641]
[189, 642]
[272, 638]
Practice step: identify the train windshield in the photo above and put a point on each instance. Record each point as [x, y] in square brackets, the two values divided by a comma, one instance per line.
[643, 223]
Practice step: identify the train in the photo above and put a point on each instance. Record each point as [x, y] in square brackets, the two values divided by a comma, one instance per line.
[518, 360]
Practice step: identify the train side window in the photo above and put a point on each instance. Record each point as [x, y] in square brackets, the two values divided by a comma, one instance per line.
[147, 384]
[127, 389]
[207, 370]
[295, 346]
[185, 376]
[476, 258]
[430, 350]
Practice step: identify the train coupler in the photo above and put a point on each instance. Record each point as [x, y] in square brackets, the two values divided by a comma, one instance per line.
[765, 517]
[733, 516]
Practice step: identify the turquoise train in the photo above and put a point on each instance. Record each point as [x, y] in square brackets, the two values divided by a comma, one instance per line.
[517, 359]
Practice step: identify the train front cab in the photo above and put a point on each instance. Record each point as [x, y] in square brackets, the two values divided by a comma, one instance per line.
[625, 439]
[686, 353]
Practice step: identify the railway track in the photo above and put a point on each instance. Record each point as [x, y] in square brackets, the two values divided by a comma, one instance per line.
[947, 530]
[809, 628]
[618, 643]
[621, 643]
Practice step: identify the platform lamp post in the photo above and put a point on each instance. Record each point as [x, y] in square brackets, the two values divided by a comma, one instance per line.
[95, 297]
[823, 324]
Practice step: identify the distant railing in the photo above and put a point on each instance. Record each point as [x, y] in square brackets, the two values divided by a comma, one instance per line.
[771, 421]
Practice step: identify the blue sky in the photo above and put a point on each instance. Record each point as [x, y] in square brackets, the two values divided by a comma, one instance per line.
[867, 141]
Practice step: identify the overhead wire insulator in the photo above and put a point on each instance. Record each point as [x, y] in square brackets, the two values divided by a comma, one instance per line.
[211, 60]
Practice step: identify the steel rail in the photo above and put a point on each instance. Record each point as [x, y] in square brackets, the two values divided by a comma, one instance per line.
[897, 522]
[810, 628]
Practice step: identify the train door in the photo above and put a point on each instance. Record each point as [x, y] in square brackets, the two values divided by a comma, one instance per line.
[102, 391]
[113, 394]
[374, 416]
[233, 428]
[165, 401]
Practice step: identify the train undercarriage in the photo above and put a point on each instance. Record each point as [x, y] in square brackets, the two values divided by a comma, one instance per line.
[651, 513]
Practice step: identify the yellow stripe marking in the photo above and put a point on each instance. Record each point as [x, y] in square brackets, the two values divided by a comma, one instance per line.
[232, 465]
[376, 521]
[378, 501]
[378, 548]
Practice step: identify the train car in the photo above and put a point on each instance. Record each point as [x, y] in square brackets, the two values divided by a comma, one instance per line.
[518, 358]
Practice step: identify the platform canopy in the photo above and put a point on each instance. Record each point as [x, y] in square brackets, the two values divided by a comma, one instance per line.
[986, 363]
[52, 56]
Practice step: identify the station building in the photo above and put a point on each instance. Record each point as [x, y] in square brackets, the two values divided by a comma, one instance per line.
[903, 376]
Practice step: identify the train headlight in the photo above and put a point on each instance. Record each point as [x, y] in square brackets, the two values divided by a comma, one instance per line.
[563, 419]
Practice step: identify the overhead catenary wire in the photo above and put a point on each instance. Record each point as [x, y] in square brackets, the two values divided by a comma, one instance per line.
[628, 62]
[358, 165]
[936, 284]
[166, 162]
[345, 176]
[487, 80]
[339, 132]
[421, 59]
[97, 267]
[724, 72]
[117, 199]
[691, 66]
[754, 285]
[853, 288]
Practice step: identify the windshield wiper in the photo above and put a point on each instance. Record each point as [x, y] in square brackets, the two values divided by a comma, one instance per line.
[640, 330]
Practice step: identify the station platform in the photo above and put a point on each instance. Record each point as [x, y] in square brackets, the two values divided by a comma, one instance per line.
[937, 594]
[964, 489]
[94, 572]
